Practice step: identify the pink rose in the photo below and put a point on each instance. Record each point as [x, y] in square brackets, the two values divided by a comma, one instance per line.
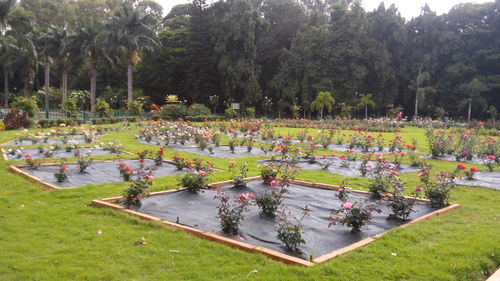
[491, 157]
[347, 205]
[232, 163]
[222, 213]
[201, 173]
[419, 188]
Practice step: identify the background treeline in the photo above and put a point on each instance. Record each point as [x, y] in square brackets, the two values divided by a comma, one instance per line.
[282, 53]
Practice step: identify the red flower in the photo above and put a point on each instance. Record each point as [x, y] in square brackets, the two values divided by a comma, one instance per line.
[461, 166]
[28, 156]
[473, 169]
[491, 157]
[141, 160]
[63, 168]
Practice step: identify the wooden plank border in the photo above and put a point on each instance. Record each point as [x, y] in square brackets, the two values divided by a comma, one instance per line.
[111, 202]
[495, 276]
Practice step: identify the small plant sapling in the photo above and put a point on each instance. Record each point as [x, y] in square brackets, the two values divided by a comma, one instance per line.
[61, 174]
[238, 173]
[194, 181]
[290, 231]
[159, 156]
[230, 211]
[29, 162]
[84, 162]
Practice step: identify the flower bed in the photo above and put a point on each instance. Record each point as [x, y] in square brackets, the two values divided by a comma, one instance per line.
[97, 173]
[339, 166]
[50, 141]
[197, 213]
[483, 179]
[35, 153]
[217, 152]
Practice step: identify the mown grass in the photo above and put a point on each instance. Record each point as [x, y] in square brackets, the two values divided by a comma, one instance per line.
[53, 236]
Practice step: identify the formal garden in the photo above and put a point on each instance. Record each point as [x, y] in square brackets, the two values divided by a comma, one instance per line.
[248, 140]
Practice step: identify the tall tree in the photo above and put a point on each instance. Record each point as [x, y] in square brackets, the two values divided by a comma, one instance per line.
[365, 101]
[472, 92]
[87, 38]
[323, 100]
[129, 32]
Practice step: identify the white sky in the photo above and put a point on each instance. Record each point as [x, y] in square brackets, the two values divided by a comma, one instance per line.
[408, 8]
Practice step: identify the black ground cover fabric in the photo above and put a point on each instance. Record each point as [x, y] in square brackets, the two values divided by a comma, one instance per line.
[483, 179]
[17, 154]
[43, 142]
[200, 211]
[98, 172]
[218, 152]
[351, 171]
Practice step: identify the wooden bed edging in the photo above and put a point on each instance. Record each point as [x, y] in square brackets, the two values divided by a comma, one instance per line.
[45, 185]
[275, 255]
[495, 276]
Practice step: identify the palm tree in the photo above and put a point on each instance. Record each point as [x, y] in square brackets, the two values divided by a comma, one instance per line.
[323, 100]
[128, 32]
[472, 91]
[88, 39]
[420, 90]
[57, 45]
[365, 100]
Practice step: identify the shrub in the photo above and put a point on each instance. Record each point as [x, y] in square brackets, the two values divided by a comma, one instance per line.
[135, 190]
[352, 215]
[174, 111]
[102, 108]
[194, 181]
[250, 112]
[135, 107]
[238, 173]
[268, 173]
[14, 120]
[198, 109]
[29, 123]
[231, 211]
[61, 174]
[270, 200]
[230, 113]
[70, 107]
[125, 171]
[437, 190]
[290, 232]
[84, 163]
[29, 105]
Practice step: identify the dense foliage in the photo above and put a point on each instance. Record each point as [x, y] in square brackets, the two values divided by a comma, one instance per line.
[274, 55]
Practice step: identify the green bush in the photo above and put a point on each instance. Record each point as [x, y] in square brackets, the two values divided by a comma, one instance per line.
[70, 107]
[230, 113]
[135, 107]
[250, 112]
[29, 105]
[47, 123]
[198, 109]
[174, 111]
[29, 123]
[103, 108]
[113, 120]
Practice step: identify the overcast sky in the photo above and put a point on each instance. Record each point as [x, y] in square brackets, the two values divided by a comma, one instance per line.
[408, 8]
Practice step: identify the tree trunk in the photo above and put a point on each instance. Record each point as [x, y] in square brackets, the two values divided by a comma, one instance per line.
[26, 85]
[47, 82]
[321, 114]
[6, 87]
[129, 82]
[64, 84]
[469, 113]
[93, 86]
[366, 111]
[416, 105]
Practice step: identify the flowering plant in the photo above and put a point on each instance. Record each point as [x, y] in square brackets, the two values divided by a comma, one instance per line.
[352, 215]
[180, 162]
[270, 200]
[232, 143]
[401, 206]
[84, 162]
[125, 171]
[230, 212]
[136, 189]
[159, 156]
[61, 174]
[268, 173]
[290, 231]
[489, 161]
[437, 189]
[143, 154]
[238, 173]
[194, 181]
[29, 162]
[470, 174]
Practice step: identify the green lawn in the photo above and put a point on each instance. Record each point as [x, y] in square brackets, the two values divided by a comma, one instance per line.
[53, 236]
